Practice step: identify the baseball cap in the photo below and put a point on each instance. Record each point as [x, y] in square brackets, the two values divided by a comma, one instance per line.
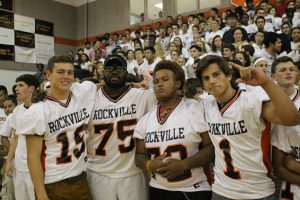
[115, 59]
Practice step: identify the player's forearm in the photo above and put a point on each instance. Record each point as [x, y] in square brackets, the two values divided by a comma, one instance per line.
[292, 165]
[5, 142]
[141, 160]
[37, 177]
[283, 106]
[284, 174]
[201, 158]
[34, 148]
[12, 148]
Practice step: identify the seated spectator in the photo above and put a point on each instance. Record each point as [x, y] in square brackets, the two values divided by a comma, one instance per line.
[85, 62]
[238, 36]
[216, 47]
[231, 21]
[214, 25]
[228, 51]
[181, 49]
[295, 38]
[258, 44]
[262, 64]
[244, 58]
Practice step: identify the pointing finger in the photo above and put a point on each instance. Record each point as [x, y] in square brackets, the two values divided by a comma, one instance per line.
[236, 66]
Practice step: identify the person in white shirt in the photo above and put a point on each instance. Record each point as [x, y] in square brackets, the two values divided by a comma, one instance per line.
[214, 25]
[16, 165]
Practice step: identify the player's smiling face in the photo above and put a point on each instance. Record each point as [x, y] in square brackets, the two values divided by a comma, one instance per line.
[165, 85]
[61, 77]
[215, 81]
[285, 74]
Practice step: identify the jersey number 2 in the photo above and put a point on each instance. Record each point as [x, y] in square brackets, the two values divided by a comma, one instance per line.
[230, 171]
[107, 130]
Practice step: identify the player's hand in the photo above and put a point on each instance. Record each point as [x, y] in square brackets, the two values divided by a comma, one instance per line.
[174, 168]
[251, 75]
[157, 163]
[9, 168]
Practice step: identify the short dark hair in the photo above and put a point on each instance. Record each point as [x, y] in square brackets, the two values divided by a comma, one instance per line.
[174, 67]
[192, 85]
[228, 46]
[139, 49]
[212, 59]
[12, 98]
[4, 89]
[270, 38]
[82, 73]
[150, 48]
[232, 15]
[29, 79]
[249, 48]
[196, 47]
[283, 59]
[259, 17]
[58, 59]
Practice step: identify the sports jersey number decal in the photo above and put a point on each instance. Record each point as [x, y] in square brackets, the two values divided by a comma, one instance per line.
[230, 171]
[179, 148]
[287, 194]
[122, 134]
[65, 156]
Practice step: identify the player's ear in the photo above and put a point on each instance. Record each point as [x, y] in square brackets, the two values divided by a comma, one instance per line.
[48, 74]
[178, 84]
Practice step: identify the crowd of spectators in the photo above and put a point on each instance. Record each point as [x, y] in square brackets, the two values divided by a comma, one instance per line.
[243, 35]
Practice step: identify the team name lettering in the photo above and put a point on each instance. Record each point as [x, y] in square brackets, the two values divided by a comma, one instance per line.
[165, 135]
[232, 128]
[296, 152]
[68, 120]
[115, 112]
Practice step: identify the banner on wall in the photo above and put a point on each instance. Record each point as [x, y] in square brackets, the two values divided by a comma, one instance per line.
[7, 52]
[42, 56]
[26, 55]
[24, 39]
[43, 27]
[7, 5]
[242, 2]
[22, 23]
[6, 19]
[44, 42]
[7, 36]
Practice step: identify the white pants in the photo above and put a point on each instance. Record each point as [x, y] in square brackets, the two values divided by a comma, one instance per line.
[103, 187]
[24, 189]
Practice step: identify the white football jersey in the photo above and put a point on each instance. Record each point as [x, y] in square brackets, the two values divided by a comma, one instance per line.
[63, 127]
[20, 161]
[242, 146]
[7, 129]
[2, 117]
[287, 139]
[111, 147]
[179, 136]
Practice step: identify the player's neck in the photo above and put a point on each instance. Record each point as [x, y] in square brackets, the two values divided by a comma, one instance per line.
[27, 102]
[113, 91]
[59, 94]
[289, 90]
[226, 96]
[169, 102]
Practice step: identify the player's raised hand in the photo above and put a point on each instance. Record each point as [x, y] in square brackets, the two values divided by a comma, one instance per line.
[250, 75]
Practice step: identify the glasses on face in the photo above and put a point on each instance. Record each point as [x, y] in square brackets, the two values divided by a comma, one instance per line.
[116, 68]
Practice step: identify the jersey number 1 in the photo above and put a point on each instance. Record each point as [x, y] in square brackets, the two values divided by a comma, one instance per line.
[230, 171]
